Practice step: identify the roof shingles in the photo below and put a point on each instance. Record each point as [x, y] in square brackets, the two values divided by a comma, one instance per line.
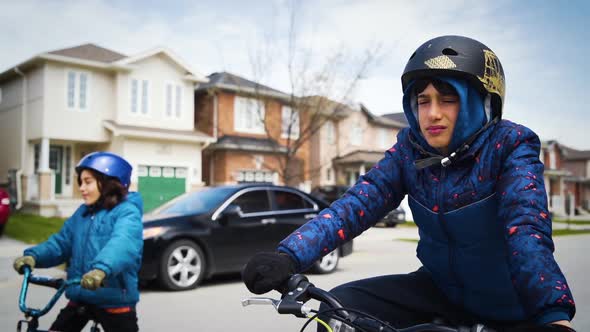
[90, 52]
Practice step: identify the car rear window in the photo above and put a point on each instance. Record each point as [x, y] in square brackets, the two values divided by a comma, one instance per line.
[290, 201]
[253, 201]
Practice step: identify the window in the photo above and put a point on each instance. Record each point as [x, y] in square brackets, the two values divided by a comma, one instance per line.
[178, 100]
[77, 90]
[329, 174]
[249, 115]
[253, 201]
[289, 123]
[290, 201]
[139, 96]
[144, 96]
[173, 100]
[356, 135]
[330, 132]
[384, 142]
[255, 176]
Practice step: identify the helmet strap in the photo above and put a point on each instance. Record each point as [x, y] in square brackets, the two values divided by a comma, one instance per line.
[435, 159]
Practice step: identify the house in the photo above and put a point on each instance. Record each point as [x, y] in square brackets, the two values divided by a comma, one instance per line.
[60, 105]
[397, 117]
[567, 178]
[350, 142]
[255, 128]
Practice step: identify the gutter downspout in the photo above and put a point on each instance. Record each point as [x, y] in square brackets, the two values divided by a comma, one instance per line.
[19, 172]
[215, 133]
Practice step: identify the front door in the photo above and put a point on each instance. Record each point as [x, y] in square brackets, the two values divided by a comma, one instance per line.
[55, 163]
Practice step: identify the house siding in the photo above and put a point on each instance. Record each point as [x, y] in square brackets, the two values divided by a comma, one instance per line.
[10, 125]
[204, 113]
[577, 167]
[159, 71]
[35, 102]
[88, 123]
[226, 164]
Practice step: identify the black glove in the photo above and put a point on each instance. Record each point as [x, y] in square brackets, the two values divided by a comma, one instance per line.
[267, 271]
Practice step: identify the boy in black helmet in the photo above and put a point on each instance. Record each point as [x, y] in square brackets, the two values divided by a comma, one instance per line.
[475, 187]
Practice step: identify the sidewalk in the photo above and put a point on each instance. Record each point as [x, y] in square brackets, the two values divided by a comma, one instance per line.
[11, 249]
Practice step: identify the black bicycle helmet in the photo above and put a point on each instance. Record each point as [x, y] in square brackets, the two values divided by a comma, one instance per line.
[460, 57]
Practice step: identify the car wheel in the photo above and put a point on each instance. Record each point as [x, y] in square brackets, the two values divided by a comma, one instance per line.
[182, 266]
[327, 264]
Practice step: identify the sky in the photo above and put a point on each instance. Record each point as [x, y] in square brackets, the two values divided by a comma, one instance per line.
[541, 44]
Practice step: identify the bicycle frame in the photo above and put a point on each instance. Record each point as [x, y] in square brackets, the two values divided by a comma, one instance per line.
[34, 314]
[299, 290]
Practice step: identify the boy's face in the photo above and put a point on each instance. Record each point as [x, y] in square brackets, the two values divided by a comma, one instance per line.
[437, 116]
[89, 187]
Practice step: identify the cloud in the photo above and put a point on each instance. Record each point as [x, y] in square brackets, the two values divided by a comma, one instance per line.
[542, 60]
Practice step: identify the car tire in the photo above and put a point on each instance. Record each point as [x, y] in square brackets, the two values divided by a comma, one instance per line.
[182, 266]
[327, 264]
[390, 224]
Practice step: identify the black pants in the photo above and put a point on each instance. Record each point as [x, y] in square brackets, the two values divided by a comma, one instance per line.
[405, 300]
[73, 318]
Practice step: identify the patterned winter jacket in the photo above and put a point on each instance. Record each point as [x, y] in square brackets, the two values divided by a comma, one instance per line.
[111, 241]
[485, 232]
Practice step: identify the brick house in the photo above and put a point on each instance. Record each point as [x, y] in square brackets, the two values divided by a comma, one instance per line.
[250, 123]
[567, 178]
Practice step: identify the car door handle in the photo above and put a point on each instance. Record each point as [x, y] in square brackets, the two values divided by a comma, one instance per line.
[310, 215]
[268, 221]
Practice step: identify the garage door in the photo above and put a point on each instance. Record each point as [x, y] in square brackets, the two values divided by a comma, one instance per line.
[158, 185]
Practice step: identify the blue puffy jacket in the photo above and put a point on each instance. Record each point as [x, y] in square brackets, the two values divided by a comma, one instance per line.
[485, 232]
[111, 241]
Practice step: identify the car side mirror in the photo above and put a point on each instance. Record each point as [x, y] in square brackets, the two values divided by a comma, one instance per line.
[232, 211]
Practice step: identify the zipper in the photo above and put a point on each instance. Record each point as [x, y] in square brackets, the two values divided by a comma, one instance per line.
[85, 251]
[121, 280]
[443, 224]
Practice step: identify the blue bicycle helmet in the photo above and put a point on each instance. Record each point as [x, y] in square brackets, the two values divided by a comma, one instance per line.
[108, 164]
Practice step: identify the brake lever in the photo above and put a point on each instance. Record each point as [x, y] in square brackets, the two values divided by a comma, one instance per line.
[261, 300]
[281, 306]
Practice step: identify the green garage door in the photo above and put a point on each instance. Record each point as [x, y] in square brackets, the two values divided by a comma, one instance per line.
[158, 185]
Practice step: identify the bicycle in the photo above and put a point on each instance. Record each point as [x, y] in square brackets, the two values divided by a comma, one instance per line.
[32, 315]
[299, 290]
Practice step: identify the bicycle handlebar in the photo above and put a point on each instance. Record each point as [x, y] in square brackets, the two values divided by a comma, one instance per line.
[59, 284]
[298, 290]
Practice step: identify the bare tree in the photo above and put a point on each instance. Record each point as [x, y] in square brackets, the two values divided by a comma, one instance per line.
[319, 89]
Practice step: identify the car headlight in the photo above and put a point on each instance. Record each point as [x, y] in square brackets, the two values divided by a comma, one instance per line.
[153, 232]
[5, 201]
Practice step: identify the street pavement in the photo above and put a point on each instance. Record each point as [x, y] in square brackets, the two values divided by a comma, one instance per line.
[216, 305]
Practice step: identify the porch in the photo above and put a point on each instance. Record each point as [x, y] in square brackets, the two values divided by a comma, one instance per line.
[49, 185]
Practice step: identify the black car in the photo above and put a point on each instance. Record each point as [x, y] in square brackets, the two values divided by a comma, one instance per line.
[331, 193]
[217, 230]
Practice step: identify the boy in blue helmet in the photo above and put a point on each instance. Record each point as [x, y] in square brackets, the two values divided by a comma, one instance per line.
[102, 243]
[475, 187]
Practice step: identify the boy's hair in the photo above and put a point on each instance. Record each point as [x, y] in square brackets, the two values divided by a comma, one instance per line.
[443, 88]
[112, 191]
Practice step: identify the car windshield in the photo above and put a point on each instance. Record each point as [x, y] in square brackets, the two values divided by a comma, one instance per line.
[196, 202]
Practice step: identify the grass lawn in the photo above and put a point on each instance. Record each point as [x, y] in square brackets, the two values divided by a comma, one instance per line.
[563, 232]
[407, 240]
[572, 222]
[31, 228]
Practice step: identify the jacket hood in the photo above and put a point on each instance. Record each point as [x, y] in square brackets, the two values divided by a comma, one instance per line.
[135, 199]
[474, 113]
